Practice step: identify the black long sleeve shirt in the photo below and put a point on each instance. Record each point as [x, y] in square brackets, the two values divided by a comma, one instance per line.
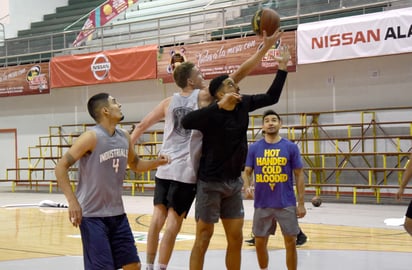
[225, 147]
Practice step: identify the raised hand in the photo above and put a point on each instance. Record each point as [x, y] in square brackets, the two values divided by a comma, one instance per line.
[269, 41]
[284, 57]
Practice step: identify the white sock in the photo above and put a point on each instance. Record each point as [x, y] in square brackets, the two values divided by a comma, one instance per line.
[149, 266]
[162, 266]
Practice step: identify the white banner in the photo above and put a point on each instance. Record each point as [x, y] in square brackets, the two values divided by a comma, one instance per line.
[382, 33]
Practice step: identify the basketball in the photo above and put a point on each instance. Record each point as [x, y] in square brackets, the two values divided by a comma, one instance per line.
[316, 201]
[265, 19]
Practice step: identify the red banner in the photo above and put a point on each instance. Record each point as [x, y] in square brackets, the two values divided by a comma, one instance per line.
[100, 16]
[24, 80]
[137, 63]
[215, 58]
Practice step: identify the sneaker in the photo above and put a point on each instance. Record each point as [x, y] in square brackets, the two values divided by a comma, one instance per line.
[251, 242]
[301, 239]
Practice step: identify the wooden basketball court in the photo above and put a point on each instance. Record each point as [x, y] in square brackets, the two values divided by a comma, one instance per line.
[344, 235]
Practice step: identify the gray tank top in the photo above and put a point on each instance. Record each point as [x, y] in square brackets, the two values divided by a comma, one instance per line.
[101, 175]
[183, 146]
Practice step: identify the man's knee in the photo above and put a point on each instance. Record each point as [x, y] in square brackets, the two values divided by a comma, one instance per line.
[205, 236]
[204, 233]
[290, 241]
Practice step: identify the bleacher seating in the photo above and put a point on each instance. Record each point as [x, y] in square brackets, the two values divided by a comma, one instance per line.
[63, 17]
[168, 23]
[344, 159]
[161, 22]
[291, 15]
[45, 37]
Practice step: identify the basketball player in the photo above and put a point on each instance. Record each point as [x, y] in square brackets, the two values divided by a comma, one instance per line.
[223, 155]
[275, 162]
[104, 152]
[175, 187]
[249, 193]
[407, 175]
[175, 183]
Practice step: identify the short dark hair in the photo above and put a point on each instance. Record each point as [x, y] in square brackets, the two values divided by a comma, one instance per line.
[95, 103]
[270, 112]
[216, 83]
[182, 73]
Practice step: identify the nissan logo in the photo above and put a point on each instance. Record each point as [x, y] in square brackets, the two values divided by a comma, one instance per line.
[100, 67]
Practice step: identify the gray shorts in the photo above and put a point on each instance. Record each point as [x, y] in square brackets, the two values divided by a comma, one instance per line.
[265, 220]
[216, 200]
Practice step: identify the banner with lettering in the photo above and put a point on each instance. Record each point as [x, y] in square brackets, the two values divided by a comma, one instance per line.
[130, 64]
[219, 57]
[100, 16]
[24, 80]
[381, 33]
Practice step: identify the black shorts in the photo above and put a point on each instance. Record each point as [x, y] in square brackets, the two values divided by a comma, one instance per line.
[409, 211]
[177, 195]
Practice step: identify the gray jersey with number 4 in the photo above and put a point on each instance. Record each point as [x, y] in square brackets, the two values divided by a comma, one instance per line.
[101, 175]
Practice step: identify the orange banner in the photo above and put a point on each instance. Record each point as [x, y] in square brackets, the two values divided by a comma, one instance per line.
[137, 63]
[24, 80]
[220, 57]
